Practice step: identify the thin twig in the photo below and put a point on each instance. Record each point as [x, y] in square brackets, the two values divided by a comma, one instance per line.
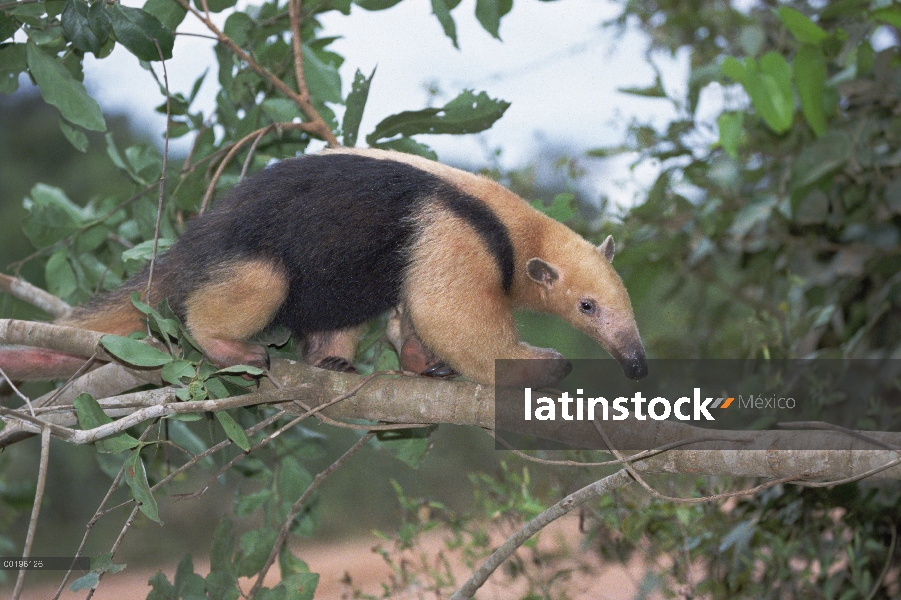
[627, 463]
[250, 153]
[641, 455]
[298, 505]
[35, 509]
[822, 425]
[888, 562]
[211, 188]
[162, 182]
[316, 125]
[116, 544]
[598, 488]
[310, 412]
[17, 392]
[97, 514]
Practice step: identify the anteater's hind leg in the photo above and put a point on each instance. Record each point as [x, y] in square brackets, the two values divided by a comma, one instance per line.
[333, 350]
[240, 300]
[411, 351]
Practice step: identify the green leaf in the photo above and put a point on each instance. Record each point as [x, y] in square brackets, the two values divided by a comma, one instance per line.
[281, 110]
[733, 68]
[828, 153]
[8, 26]
[246, 505]
[407, 445]
[355, 102]
[169, 12]
[162, 589]
[12, 62]
[240, 370]
[607, 152]
[293, 480]
[810, 79]
[376, 4]
[768, 85]
[99, 22]
[442, 12]
[890, 15]
[135, 258]
[188, 584]
[215, 5]
[136, 477]
[731, 126]
[137, 29]
[177, 370]
[223, 546]
[289, 564]
[238, 26]
[76, 137]
[90, 416]
[60, 89]
[408, 145]
[85, 582]
[256, 545]
[653, 91]
[561, 209]
[134, 352]
[78, 28]
[299, 586]
[489, 13]
[467, 113]
[51, 216]
[776, 76]
[323, 79]
[804, 30]
[234, 431]
[59, 275]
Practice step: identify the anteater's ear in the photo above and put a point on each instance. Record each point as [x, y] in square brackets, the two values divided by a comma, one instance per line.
[607, 248]
[541, 272]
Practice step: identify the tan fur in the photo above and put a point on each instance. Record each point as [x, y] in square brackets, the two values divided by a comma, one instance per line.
[453, 292]
[240, 302]
[120, 319]
[454, 297]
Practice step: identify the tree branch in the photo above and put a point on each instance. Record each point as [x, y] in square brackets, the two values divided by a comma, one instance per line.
[35, 509]
[599, 488]
[317, 126]
[21, 289]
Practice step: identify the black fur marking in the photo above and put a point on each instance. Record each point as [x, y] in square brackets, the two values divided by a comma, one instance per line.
[492, 231]
[340, 225]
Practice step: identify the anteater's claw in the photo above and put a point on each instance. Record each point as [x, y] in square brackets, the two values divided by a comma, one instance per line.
[439, 370]
[336, 363]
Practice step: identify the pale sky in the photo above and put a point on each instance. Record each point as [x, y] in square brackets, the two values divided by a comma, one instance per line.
[557, 65]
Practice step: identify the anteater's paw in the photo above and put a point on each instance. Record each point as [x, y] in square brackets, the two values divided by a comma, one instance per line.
[336, 363]
[228, 353]
[416, 358]
[545, 367]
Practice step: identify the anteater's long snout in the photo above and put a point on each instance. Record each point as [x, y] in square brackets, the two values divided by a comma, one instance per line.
[635, 365]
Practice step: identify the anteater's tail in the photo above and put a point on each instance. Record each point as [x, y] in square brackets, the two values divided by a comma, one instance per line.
[112, 312]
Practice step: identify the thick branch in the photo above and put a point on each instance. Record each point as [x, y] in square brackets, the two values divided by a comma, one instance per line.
[422, 400]
[21, 289]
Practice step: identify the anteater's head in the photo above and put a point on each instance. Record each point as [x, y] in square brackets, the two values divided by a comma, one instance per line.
[579, 284]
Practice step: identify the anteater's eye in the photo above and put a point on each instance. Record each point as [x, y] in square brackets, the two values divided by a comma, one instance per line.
[587, 306]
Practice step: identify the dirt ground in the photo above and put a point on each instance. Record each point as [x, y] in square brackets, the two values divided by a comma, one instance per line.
[355, 561]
